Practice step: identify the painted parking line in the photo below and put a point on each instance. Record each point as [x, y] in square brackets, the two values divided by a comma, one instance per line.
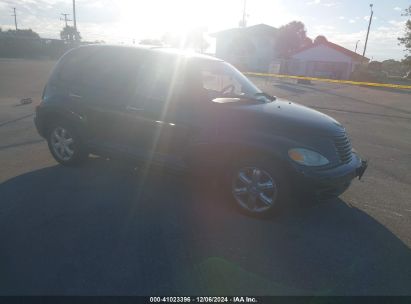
[372, 84]
[3, 123]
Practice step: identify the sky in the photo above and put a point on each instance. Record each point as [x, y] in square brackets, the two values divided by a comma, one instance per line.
[121, 21]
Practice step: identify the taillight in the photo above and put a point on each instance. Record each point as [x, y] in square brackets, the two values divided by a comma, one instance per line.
[44, 92]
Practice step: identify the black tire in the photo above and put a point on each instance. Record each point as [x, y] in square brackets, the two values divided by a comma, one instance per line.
[79, 152]
[280, 198]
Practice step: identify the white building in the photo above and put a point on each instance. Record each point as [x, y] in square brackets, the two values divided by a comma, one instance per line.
[249, 48]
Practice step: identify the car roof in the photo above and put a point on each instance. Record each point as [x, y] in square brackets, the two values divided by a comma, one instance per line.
[155, 50]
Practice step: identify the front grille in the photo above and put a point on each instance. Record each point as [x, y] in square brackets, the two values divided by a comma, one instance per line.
[343, 147]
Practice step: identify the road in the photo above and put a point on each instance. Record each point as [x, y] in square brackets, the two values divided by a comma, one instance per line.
[111, 229]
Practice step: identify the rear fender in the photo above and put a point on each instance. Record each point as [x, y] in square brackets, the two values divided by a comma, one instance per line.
[50, 115]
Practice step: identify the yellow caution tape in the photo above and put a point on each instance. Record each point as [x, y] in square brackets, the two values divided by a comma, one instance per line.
[373, 84]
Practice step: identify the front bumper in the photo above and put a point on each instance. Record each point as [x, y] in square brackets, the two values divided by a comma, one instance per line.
[326, 183]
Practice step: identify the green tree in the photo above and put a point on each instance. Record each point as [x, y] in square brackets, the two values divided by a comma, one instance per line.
[406, 39]
[70, 34]
[394, 68]
[290, 38]
[196, 40]
[320, 39]
[29, 33]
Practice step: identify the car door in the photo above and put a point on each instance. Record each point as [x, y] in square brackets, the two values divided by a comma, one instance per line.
[160, 135]
[105, 89]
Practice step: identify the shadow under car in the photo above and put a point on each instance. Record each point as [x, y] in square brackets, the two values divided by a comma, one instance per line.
[107, 229]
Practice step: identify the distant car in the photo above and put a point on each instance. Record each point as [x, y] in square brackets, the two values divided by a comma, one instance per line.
[187, 111]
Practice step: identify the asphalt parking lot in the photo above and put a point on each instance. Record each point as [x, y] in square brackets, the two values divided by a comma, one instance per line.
[110, 229]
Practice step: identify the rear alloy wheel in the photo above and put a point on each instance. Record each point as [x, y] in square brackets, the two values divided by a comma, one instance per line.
[62, 143]
[65, 145]
[255, 190]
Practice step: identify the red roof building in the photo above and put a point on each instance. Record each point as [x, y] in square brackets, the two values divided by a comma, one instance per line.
[323, 59]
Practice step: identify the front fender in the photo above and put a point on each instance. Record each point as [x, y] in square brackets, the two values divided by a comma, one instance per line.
[229, 146]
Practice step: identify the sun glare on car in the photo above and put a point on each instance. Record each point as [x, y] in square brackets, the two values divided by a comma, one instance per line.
[196, 151]
[176, 18]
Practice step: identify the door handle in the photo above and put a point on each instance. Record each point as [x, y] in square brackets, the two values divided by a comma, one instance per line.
[134, 109]
[75, 96]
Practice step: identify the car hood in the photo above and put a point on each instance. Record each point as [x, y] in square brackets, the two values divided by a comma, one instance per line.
[279, 116]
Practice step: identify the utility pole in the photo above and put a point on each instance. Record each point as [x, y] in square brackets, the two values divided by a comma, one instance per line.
[74, 17]
[243, 22]
[15, 18]
[368, 32]
[356, 45]
[65, 18]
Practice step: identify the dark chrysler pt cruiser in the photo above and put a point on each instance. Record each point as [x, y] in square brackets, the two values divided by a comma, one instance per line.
[185, 111]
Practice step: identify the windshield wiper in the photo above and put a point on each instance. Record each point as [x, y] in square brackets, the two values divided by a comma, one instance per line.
[272, 98]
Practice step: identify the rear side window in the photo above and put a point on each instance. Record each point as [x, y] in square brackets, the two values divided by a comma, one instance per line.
[102, 72]
[113, 72]
[163, 77]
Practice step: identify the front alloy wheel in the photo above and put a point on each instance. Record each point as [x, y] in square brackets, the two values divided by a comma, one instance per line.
[255, 190]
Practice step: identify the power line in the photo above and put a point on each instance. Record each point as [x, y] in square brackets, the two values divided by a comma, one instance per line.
[244, 13]
[243, 21]
[368, 32]
[65, 18]
[15, 18]
[74, 17]
[356, 45]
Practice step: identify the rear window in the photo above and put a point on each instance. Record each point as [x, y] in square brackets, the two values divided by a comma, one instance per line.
[73, 62]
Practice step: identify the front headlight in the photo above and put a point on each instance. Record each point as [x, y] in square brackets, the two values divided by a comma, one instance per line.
[307, 157]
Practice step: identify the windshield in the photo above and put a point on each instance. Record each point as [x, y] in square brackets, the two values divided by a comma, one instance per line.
[220, 79]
